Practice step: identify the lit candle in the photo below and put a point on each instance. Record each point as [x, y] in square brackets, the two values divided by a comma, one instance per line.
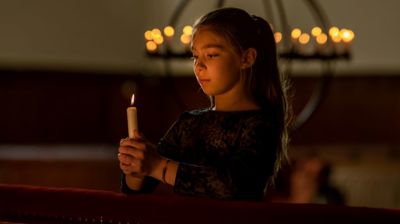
[132, 118]
[135, 182]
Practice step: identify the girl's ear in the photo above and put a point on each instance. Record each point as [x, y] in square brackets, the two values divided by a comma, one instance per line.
[248, 58]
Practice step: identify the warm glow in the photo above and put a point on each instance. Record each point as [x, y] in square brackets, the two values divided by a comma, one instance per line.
[151, 46]
[296, 32]
[278, 37]
[187, 30]
[346, 35]
[148, 35]
[336, 38]
[159, 40]
[316, 31]
[155, 33]
[322, 39]
[334, 31]
[169, 31]
[185, 39]
[132, 99]
[304, 38]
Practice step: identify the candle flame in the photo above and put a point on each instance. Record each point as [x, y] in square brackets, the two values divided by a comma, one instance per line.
[132, 99]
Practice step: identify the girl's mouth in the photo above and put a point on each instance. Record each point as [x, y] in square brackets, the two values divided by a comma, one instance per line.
[204, 81]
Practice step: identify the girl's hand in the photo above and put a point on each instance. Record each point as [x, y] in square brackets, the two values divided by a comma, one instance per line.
[138, 156]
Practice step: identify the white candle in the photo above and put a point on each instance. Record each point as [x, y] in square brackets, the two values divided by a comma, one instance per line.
[135, 182]
[132, 118]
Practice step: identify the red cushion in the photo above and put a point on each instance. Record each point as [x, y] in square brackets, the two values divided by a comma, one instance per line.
[50, 205]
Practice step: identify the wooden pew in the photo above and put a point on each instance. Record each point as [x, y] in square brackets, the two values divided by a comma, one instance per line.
[34, 204]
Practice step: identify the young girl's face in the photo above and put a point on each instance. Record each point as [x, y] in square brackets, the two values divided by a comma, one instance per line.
[215, 63]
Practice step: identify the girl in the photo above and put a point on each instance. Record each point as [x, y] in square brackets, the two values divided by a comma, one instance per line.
[233, 149]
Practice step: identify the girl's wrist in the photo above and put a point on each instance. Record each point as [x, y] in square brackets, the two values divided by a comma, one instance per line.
[157, 170]
[165, 171]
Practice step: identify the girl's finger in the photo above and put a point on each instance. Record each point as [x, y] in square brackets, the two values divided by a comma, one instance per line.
[135, 153]
[123, 150]
[138, 135]
[125, 159]
[134, 144]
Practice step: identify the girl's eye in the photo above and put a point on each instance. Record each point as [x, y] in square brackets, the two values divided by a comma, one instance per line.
[212, 55]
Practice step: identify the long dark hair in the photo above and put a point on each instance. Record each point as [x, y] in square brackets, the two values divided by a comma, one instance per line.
[263, 79]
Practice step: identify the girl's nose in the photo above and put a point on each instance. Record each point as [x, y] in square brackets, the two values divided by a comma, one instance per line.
[199, 65]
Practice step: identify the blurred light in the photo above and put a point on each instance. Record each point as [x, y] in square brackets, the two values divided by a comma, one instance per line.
[316, 31]
[296, 32]
[304, 38]
[148, 35]
[159, 40]
[155, 33]
[334, 31]
[187, 30]
[336, 38]
[322, 39]
[185, 39]
[155, 38]
[151, 46]
[278, 37]
[346, 35]
[169, 31]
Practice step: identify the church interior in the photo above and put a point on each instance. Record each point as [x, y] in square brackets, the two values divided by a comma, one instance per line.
[68, 70]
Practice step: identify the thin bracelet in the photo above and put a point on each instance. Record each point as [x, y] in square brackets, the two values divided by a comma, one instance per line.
[164, 172]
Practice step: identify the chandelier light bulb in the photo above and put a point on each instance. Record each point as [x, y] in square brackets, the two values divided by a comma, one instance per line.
[185, 39]
[322, 39]
[278, 37]
[159, 40]
[187, 30]
[296, 32]
[169, 31]
[148, 35]
[155, 33]
[334, 31]
[346, 35]
[151, 46]
[316, 31]
[304, 38]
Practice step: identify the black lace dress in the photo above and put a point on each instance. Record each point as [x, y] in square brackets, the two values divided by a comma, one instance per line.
[226, 155]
